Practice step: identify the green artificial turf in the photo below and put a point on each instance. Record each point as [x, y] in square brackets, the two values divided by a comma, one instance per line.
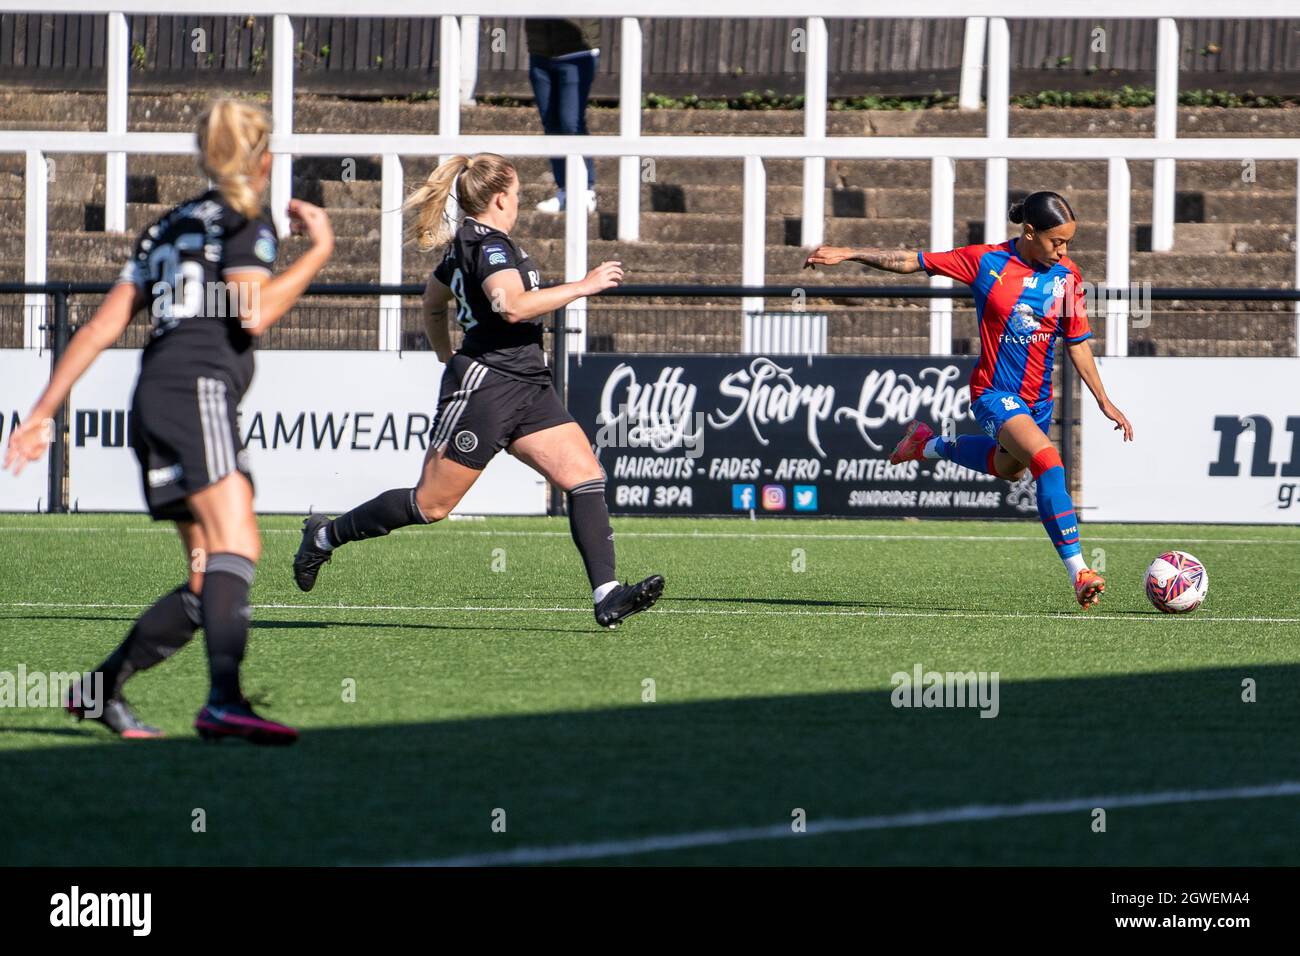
[771, 654]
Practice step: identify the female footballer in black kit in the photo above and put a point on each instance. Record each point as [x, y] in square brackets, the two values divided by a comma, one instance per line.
[204, 269]
[497, 390]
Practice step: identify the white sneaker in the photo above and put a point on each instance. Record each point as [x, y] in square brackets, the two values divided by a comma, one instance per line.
[556, 202]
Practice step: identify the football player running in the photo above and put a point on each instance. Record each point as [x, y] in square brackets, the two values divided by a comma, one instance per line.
[1028, 294]
[497, 391]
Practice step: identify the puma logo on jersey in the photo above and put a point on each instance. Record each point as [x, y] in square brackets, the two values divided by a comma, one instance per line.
[998, 275]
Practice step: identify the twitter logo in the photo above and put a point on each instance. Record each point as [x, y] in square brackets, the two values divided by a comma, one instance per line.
[805, 497]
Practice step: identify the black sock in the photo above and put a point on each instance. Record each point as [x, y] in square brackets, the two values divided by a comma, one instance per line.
[158, 633]
[589, 524]
[384, 513]
[227, 579]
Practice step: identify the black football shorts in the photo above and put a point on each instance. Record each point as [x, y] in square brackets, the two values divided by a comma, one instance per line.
[481, 411]
[185, 436]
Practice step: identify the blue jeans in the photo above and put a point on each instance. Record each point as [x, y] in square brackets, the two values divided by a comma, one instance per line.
[561, 88]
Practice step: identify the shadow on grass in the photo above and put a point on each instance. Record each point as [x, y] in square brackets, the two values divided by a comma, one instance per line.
[262, 624]
[370, 794]
[87, 734]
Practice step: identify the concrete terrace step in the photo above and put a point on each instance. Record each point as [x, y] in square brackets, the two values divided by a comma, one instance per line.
[1231, 204]
[77, 204]
[313, 113]
[1240, 204]
[1065, 177]
[915, 234]
[93, 164]
[711, 264]
[1274, 272]
[716, 258]
[1265, 270]
[72, 217]
[1200, 248]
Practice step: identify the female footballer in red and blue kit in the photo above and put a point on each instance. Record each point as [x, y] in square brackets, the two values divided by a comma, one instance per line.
[1028, 294]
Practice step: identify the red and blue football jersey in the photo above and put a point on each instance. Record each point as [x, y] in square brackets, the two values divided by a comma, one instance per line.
[1022, 311]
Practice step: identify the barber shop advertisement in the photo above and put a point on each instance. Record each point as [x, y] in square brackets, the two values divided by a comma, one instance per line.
[781, 435]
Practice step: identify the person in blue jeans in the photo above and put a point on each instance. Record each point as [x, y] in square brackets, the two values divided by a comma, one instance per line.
[562, 58]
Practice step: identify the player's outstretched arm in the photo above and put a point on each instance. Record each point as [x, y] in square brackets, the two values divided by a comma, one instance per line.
[29, 440]
[269, 298]
[505, 290]
[1081, 356]
[889, 260]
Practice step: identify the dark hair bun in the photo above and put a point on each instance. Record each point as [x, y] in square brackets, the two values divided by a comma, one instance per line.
[1042, 210]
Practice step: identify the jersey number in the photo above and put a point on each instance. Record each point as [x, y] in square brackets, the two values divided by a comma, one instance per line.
[464, 314]
[178, 293]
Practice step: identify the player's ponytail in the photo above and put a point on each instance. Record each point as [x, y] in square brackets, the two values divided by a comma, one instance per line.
[469, 182]
[1043, 210]
[233, 137]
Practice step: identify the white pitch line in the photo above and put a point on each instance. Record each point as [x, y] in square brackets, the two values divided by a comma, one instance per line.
[803, 536]
[732, 535]
[721, 612]
[922, 818]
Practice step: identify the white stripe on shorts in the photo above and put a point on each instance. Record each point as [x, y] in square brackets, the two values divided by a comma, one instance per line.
[218, 446]
[474, 376]
[222, 411]
[205, 428]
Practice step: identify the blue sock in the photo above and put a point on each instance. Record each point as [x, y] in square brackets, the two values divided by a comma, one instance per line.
[971, 451]
[1055, 507]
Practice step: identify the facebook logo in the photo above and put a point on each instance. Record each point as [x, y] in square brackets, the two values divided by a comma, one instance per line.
[805, 497]
[743, 497]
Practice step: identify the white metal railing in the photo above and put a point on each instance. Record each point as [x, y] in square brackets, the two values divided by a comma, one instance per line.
[987, 33]
[783, 333]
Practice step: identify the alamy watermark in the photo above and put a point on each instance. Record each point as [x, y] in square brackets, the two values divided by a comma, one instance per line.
[922, 688]
[24, 688]
[659, 430]
[78, 908]
[189, 297]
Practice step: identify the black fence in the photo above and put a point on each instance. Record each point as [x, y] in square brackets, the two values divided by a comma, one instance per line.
[873, 319]
[707, 57]
[698, 319]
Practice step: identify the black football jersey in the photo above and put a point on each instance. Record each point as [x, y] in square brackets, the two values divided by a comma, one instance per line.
[181, 264]
[512, 348]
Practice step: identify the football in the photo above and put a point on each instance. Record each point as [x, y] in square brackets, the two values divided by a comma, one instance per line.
[1176, 582]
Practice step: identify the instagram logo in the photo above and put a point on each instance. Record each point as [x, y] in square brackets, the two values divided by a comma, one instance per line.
[774, 497]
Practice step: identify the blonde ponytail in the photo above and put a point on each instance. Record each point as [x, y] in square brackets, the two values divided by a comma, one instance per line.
[232, 137]
[475, 180]
[433, 227]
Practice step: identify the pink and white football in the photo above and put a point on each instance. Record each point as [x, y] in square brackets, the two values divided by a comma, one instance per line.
[1176, 582]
